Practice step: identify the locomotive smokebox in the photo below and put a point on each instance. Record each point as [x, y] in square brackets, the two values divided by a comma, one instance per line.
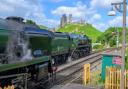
[14, 18]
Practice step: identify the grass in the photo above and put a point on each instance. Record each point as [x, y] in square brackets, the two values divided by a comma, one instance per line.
[43, 27]
[96, 79]
[86, 29]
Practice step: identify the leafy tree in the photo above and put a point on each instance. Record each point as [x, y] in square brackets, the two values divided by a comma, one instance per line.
[109, 36]
[112, 41]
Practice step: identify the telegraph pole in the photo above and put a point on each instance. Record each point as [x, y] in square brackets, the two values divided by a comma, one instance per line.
[112, 13]
[123, 46]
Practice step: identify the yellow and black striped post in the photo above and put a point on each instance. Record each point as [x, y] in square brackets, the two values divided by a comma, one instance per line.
[86, 74]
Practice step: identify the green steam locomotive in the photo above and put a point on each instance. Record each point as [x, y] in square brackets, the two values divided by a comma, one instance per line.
[27, 49]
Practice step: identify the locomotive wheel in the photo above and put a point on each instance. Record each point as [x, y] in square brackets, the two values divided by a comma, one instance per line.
[64, 58]
[81, 54]
[75, 55]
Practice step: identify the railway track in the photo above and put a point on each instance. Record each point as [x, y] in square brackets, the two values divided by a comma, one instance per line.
[74, 70]
[84, 59]
[77, 77]
[67, 73]
[75, 62]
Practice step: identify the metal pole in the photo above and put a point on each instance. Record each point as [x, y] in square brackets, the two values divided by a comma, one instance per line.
[117, 37]
[123, 45]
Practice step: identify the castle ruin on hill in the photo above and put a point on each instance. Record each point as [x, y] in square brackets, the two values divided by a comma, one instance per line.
[65, 19]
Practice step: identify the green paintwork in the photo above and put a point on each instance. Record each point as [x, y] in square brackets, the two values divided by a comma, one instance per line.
[3, 40]
[5, 67]
[36, 42]
[40, 43]
[74, 43]
[60, 44]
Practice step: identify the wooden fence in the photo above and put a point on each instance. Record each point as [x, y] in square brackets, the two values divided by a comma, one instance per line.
[113, 76]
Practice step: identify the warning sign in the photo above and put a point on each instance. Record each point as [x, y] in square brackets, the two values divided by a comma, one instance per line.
[117, 60]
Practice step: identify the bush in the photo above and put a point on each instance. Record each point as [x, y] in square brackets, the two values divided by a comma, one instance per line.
[98, 47]
[112, 42]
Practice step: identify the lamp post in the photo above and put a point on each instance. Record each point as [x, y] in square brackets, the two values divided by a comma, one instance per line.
[111, 13]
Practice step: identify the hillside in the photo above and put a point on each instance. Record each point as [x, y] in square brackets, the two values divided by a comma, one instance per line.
[42, 27]
[86, 29]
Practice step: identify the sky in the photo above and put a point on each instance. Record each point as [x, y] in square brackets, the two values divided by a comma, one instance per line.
[48, 12]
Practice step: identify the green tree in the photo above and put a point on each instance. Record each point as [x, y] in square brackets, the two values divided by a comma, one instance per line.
[109, 36]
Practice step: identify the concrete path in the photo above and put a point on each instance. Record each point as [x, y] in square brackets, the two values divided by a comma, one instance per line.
[73, 86]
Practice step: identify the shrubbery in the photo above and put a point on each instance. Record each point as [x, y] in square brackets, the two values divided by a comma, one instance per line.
[98, 46]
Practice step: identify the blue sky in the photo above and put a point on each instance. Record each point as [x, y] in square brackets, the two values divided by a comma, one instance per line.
[48, 12]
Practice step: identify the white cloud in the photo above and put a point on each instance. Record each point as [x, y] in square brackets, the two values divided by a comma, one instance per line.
[96, 16]
[51, 23]
[106, 4]
[95, 20]
[101, 26]
[127, 7]
[117, 21]
[28, 9]
[69, 10]
[102, 3]
[75, 11]
[79, 10]
[24, 8]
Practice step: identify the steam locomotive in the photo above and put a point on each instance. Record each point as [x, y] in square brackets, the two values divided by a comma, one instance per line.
[27, 49]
